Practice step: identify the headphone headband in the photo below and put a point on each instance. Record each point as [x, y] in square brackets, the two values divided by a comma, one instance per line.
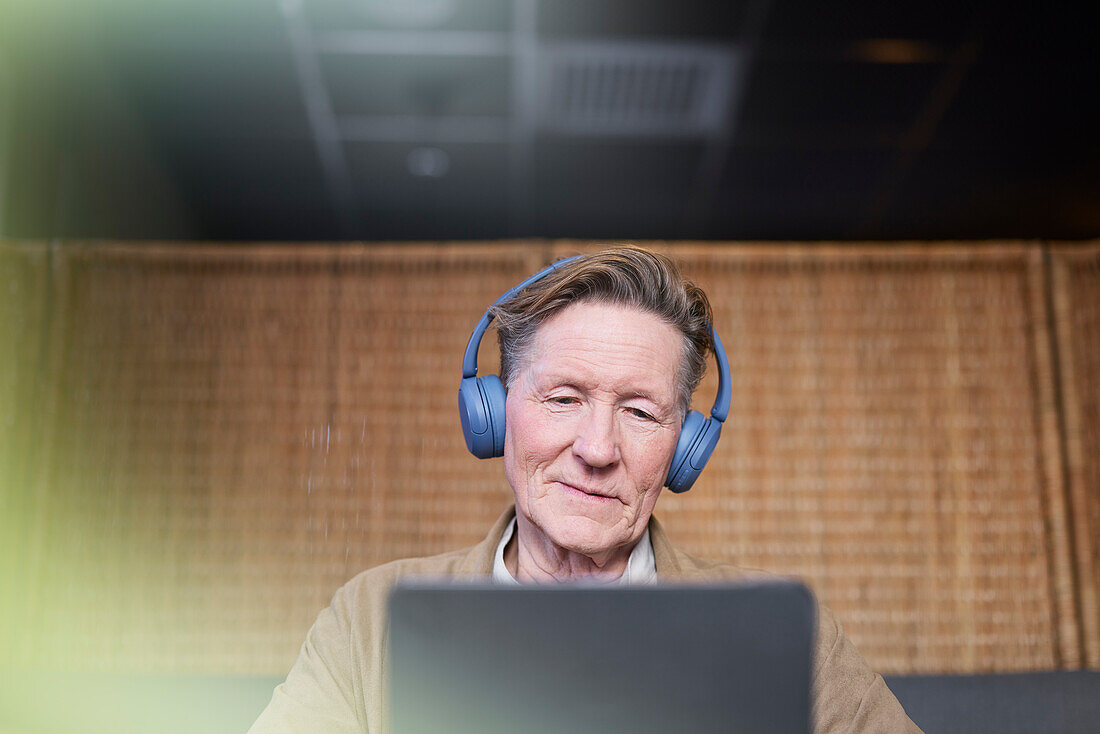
[469, 359]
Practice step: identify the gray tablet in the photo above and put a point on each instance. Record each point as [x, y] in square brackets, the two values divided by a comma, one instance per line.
[489, 659]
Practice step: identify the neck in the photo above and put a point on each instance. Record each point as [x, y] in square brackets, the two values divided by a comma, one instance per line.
[532, 558]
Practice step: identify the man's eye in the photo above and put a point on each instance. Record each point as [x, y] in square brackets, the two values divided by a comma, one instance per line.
[639, 413]
[563, 400]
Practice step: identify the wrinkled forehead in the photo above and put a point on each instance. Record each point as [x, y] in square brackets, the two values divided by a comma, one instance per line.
[613, 346]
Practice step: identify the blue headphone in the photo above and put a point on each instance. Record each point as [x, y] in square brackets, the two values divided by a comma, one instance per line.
[481, 404]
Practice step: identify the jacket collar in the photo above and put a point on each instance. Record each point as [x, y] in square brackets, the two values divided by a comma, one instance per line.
[670, 562]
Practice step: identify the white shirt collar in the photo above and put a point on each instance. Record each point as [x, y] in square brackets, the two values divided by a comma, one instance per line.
[641, 567]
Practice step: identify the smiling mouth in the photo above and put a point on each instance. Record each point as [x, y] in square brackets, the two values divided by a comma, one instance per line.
[583, 492]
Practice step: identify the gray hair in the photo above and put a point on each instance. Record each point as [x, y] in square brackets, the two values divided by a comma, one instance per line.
[626, 276]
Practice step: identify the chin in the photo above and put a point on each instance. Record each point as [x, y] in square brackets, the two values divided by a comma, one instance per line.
[585, 535]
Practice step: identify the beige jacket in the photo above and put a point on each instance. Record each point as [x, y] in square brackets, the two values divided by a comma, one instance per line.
[339, 682]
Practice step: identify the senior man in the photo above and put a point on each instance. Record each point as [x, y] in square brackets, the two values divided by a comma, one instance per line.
[599, 358]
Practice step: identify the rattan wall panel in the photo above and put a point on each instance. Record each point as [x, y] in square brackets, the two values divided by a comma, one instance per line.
[24, 294]
[1076, 298]
[219, 436]
[885, 444]
[233, 433]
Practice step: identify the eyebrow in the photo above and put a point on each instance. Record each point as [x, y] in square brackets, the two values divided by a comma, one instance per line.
[641, 394]
[556, 381]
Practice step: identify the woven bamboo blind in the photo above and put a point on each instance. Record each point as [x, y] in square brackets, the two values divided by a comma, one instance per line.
[1076, 308]
[230, 434]
[23, 292]
[204, 442]
[891, 411]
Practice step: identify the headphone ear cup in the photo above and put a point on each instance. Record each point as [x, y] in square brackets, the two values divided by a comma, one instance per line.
[698, 437]
[495, 396]
[474, 416]
[481, 412]
[689, 433]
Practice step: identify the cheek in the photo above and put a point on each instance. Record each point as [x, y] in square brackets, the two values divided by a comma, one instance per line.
[537, 433]
[513, 425]
[652, 460]
[527, 441]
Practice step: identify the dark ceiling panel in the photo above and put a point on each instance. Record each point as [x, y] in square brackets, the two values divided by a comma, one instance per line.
[817, 191]
[466, 200]
[196, 32]
[982, 193]
[833, 104]
[221, 94]
[613, 188]
[203, 68]
[1012, 106]
[427, 85]
[622, 214]
[853, 119]
[262, 189]
[686, 19]
[453, 15]
[843, 22]
[563, 164]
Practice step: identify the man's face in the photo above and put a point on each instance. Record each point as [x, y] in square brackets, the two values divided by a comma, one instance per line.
[592, 423]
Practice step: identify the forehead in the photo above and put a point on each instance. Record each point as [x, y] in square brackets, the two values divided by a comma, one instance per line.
[609, 346]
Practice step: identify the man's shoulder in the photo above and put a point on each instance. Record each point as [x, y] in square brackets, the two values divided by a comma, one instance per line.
[724, 569]
[444, 566]
[676, 566]
[701, 569]
[692, 568]
[471, 562]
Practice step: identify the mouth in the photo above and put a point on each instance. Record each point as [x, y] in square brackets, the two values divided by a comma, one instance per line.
[585, 492]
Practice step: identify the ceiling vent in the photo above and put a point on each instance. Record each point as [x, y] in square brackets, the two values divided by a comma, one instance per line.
[621, 89]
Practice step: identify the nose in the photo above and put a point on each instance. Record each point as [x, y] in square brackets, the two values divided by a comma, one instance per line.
[597, 441]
